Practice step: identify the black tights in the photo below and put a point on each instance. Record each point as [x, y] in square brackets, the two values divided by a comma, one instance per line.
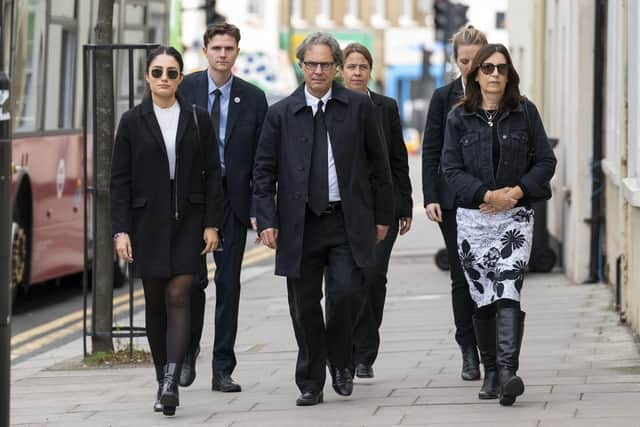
[167, 315]
[488, 312]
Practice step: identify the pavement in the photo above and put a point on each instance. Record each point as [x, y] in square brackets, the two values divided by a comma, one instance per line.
[581, 366]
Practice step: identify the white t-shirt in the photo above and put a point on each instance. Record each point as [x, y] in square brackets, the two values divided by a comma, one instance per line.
[168, 121]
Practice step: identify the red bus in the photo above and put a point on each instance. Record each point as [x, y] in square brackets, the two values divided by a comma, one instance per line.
[42, 42]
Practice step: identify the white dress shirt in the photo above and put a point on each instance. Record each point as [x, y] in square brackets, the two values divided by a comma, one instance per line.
[312, 101]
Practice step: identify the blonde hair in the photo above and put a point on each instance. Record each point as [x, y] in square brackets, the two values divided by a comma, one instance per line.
[467, 36]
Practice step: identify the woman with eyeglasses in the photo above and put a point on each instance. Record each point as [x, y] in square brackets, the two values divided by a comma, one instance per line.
[497, 159]
[439, 198]
[166, 208]
[356, 72]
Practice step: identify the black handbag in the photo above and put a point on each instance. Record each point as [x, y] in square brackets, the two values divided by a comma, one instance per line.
[546, 187]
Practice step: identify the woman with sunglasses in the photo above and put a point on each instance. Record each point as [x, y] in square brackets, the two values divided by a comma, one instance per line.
[497, 158]
[439, 198]
[166, 207]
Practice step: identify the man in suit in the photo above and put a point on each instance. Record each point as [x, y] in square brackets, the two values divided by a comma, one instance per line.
[324, 197]
[237, 109]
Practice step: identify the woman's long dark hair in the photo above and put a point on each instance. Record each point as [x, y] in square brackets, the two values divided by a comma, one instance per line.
[472, 100]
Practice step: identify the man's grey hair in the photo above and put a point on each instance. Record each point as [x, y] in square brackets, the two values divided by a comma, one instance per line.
[321, 38]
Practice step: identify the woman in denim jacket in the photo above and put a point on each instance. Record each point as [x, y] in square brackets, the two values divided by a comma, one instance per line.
[497, 158]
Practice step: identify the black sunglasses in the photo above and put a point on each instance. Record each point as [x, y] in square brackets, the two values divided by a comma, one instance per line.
[488, 67]
[172, 74]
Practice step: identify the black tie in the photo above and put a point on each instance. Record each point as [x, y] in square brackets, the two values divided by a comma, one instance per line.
[215, 114]
[319, 174]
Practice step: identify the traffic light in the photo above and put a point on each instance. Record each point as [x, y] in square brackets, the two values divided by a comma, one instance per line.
[213, 17]
[457, 18]
[448, 18]
[441, 18]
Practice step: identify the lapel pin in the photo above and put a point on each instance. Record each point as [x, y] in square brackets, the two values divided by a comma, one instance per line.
[236, 100]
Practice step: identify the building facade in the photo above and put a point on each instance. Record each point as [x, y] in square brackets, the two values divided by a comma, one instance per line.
[580, 63]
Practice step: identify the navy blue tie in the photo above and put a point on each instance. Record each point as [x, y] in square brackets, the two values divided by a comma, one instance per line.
[215, 114]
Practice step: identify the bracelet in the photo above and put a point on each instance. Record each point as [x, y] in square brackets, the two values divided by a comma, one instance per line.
[115, 236]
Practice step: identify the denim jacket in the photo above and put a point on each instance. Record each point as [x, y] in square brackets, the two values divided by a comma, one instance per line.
[526, 158]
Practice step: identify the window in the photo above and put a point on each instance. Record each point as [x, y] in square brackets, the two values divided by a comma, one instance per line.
[63, 8]
[61, 77]
[28, 72]
[500, 21]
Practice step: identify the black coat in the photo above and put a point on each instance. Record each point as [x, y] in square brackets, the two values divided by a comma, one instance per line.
[435, 188]
[526, 158]
[397, 150]
[142, 203]
[282, 168]
[244, 122]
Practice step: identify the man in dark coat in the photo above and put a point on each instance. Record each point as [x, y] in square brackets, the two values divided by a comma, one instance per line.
[237, 111]
[321, 154]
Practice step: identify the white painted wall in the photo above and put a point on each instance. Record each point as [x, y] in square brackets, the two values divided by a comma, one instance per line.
[568, 100]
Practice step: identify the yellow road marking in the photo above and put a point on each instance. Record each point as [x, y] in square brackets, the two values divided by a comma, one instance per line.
[66, 325]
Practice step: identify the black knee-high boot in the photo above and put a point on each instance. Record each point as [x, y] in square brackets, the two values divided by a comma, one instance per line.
[169, 397]
[485, 331]
[157, 406]
[509, 331]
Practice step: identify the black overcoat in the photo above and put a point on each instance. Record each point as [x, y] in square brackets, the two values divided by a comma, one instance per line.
[247, 108]
[166, 237]
[282, 168]
[397, 151]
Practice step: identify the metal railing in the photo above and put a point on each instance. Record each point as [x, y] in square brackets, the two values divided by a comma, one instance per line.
[89, 75]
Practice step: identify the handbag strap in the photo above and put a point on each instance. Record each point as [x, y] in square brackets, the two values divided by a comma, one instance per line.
[195, 120]
[532, 147]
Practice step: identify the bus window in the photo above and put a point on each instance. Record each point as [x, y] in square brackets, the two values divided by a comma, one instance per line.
[28, 66]
[61, 71]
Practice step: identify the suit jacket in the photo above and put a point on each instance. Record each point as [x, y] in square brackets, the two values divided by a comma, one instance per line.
[435, 188]
[397, 150]
[282, 168]
[165, 223]
[247, 108]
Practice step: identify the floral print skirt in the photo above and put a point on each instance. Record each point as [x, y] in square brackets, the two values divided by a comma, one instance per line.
[494, 251]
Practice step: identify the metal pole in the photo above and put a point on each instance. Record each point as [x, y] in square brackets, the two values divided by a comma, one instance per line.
[5, 249]
[5, 236]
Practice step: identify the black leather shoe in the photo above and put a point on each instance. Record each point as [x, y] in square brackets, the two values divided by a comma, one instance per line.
[224, 383]
[157, 406]
[309, 398]
[169, 396]
[342, 381]
[470, 363]
[188, 374]
[364, 371]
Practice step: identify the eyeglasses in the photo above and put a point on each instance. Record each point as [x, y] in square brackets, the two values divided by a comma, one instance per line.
[172, 74]
[312, 65]
[488, 67]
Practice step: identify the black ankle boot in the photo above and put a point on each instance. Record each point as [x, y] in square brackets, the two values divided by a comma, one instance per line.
[485, 331]
[157, 406]
[169, 396]
[470, 363]
[509, 330]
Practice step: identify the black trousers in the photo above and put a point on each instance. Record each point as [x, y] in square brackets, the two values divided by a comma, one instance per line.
[325, 252]
[463, 305]
[227, 281]
[369, 303]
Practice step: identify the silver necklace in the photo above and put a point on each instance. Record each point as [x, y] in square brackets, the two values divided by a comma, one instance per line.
[490, 117]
